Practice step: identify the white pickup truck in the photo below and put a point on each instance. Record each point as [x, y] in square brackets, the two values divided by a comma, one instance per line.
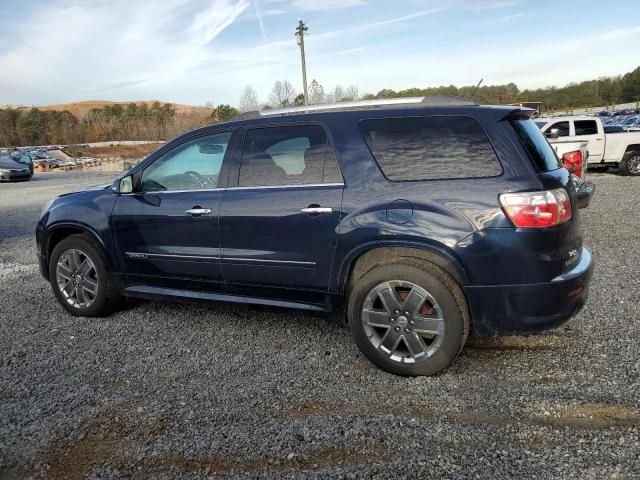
[573, 155]
[617, 149]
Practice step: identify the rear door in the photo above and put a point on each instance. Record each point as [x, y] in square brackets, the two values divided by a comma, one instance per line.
[280, 213]
[587, 131]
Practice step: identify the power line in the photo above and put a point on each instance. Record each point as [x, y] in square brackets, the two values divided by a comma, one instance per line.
[300, 35]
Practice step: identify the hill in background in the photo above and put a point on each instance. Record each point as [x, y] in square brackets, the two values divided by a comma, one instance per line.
[80, 109]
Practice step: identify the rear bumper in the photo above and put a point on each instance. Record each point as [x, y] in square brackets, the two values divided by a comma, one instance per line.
[584, 194]
[503, 309]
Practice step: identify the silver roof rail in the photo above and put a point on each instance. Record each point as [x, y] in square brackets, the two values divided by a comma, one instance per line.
[440, 100]
[342, 105]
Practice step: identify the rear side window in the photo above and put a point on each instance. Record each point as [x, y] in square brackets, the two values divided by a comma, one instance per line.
[290, 155]
[536, 144]
[430, 148]
[586, 127]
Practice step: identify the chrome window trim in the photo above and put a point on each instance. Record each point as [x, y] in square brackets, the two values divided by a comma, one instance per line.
[306, 185]
[175, 191]
[188, 191]
[265, 187]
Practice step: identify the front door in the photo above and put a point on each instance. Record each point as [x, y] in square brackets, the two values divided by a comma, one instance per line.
[166, 232]
[278, 221]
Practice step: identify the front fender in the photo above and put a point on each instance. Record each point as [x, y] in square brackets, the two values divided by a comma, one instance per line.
[86, 212]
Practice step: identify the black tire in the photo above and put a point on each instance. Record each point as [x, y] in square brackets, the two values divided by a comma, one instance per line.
[444, 290]
[107, 295]
[629, 164]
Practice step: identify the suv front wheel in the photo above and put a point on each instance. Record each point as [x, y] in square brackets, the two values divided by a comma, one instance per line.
[80, 279]
[408, 318]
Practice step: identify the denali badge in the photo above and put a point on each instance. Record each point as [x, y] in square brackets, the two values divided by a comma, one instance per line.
[136, 255]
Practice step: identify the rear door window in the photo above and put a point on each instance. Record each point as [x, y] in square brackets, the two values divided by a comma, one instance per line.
[586, 127]
[430, 148]
[289, 155]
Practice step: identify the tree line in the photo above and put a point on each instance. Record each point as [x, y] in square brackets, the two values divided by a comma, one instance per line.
[160, 121]
[111, 122]
[592, 93]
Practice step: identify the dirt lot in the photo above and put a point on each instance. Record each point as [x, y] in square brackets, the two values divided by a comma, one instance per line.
[174, 391]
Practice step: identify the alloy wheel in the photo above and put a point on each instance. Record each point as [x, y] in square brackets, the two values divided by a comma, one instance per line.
[633, 165]
[77, 278]
[403, 321]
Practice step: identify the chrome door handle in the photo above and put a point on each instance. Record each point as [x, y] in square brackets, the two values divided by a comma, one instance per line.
[317, 210]
[197, 211]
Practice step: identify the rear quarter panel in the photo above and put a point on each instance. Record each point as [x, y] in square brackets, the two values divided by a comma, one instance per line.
[443, 212]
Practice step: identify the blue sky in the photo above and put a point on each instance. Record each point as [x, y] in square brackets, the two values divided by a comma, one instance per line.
[192, 51]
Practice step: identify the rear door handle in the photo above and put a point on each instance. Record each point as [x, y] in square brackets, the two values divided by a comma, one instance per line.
[313, 210]
[198, 211]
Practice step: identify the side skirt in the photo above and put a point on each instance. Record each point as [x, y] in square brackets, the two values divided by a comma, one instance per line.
[157, 293]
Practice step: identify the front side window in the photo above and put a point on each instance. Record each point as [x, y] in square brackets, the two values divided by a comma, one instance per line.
[430, 148]
[563, 128]
[290, 155]
[586, 127]
[193, 165]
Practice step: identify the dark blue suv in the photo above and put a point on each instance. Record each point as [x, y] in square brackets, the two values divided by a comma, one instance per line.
[415, 221]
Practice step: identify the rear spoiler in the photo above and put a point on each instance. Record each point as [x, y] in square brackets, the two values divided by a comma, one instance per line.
[518, 112]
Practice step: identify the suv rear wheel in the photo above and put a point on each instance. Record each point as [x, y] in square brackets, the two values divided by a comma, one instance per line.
[409, 318]
[80, 279]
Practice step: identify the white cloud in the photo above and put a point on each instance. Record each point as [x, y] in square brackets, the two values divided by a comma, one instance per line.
[172, 50]
[317, 5]
[67, 52]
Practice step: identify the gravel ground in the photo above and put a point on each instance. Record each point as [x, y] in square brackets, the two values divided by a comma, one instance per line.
[172, 391]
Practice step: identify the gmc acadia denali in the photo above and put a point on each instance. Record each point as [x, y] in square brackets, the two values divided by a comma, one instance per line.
[414, 220]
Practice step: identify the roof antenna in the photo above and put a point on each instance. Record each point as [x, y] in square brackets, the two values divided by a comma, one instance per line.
[473, 95]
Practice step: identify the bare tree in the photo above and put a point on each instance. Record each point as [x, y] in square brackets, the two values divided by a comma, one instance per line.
[351, 94]
[336, 95]
[316, 93]
[248, 100]
[282, 94]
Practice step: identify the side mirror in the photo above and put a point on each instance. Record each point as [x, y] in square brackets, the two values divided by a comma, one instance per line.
[126, 184]
[553, 133]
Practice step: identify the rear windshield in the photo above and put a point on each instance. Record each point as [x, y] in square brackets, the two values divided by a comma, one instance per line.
[536, 144]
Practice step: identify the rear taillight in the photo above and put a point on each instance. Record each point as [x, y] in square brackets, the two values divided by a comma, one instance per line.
[573, 162]
[537, 209]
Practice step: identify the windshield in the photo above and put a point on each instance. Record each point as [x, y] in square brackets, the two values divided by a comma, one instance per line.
[541, 124]
[536, 144]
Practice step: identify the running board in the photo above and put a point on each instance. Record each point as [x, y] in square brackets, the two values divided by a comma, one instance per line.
[158, 293]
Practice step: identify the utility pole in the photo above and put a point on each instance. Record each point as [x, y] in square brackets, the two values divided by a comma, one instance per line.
[300, 36]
